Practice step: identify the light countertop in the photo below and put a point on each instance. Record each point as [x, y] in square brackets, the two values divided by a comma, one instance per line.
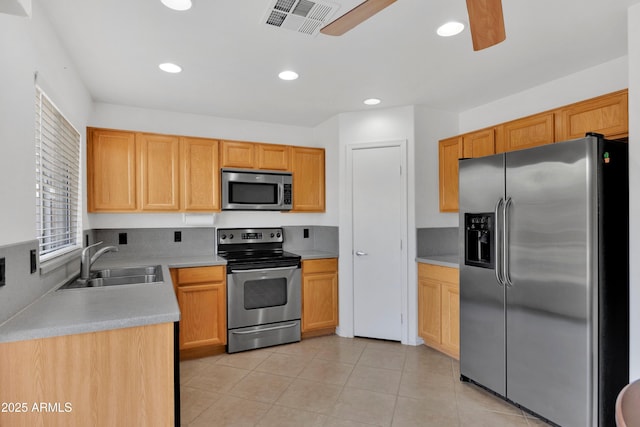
[76, 311]
[442, 260]
[313, 254]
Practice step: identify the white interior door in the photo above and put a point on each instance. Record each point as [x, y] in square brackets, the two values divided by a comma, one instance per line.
[377, 192]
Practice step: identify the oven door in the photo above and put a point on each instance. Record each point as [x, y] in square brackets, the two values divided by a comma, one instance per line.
[257, 297]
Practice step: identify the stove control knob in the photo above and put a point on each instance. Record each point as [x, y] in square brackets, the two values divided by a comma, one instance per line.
[278, 235]
[272, 235]
[224, 237]
[230, 236]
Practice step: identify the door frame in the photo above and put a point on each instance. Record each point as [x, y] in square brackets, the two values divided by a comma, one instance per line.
[347, 289]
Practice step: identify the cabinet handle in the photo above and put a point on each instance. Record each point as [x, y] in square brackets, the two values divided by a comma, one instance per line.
[360, 253]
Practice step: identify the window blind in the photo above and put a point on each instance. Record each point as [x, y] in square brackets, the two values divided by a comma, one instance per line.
[57, 180]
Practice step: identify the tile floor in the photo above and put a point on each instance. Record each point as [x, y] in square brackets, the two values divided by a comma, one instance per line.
[337, 382]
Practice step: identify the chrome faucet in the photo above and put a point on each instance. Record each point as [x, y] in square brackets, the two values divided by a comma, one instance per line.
[86, 261]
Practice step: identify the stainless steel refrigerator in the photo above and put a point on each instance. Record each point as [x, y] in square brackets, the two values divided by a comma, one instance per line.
[544, 278]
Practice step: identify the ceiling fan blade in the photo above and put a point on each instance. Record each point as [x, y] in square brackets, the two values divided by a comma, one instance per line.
[486, 23]
[355, 16]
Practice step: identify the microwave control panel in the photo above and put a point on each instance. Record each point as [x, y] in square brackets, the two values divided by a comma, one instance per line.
[286, 194]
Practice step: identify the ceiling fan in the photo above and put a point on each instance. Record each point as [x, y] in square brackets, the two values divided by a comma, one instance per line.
[485, 20]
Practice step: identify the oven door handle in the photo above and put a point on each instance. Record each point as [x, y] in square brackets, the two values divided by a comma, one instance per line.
[272, 328]
[265, 270]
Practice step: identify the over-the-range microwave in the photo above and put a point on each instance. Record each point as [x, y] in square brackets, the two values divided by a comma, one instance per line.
[249, 190]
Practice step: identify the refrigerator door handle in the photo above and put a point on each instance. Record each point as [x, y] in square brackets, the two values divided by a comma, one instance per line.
[505, 242]
[499, 231]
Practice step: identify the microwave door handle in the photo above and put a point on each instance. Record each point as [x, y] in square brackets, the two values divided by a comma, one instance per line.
[280, 194]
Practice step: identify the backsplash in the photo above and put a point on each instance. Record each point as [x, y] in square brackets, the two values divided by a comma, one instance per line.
[321, 238]
[437, 241]
[22, 287]
[160, 242]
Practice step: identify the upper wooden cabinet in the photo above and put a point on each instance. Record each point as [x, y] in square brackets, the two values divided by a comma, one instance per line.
[159, 172]
[237, 154]
[111, 170]
[272, 156]
[449, 152]
[526, 132]
[479, 143]
[607, 114]
[254, 155]
[200, 174]
[128, 172]
[307, 165]
[144, 172]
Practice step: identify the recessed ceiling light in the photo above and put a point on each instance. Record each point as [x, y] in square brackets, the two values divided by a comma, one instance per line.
[177, 4]
[450, 29]
[170, 68]
[288, 75]
[372, 101]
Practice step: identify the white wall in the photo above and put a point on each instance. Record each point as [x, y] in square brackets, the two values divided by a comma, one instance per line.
[29, 45]
[378, 125]
[634, 185]
[145, 120]
[604, 78]
[431, 126]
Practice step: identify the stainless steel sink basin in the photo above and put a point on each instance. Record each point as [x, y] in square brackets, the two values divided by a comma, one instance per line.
[118, 276]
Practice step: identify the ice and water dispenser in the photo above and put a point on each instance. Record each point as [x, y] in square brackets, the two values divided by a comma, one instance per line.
[479, 239]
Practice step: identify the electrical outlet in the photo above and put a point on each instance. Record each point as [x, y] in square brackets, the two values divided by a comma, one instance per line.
[305, 233]
[33, 262]
[2, 272]
[122, 238]
[177, 236]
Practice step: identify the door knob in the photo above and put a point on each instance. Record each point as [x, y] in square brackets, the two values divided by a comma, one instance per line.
[360, 253]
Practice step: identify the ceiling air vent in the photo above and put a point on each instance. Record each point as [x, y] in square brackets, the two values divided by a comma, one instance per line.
[303, 16]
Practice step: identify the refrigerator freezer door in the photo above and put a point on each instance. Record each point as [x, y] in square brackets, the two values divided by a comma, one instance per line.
[552, 251]
[482, 315]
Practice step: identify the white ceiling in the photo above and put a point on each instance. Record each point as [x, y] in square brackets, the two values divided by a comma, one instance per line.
[231, 59]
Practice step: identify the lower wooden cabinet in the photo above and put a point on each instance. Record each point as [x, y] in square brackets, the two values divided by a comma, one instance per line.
[319, 296]
[119, 377]
[439, 308]
[202, 297]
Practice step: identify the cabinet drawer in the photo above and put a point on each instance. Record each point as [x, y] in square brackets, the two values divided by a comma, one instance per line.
[320, 265]
[201, 274]
[438, 273]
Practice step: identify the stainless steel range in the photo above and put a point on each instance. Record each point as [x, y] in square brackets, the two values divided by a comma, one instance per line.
[263, 288]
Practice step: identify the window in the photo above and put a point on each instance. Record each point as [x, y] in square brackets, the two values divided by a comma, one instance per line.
[57, 180]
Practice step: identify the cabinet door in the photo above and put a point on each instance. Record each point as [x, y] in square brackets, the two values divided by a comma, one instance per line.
[319, 301]
[450, 332]
[203, 315]
[159, 172]
[237, 154]
[449, 151]
[429, 315]
[527, 132]
[478, 144]
[606, 114]
[200, 175]
[307, 165]
[111, 171]
[272, 157]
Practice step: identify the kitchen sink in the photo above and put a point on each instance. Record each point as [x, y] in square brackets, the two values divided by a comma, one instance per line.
[117, 276]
